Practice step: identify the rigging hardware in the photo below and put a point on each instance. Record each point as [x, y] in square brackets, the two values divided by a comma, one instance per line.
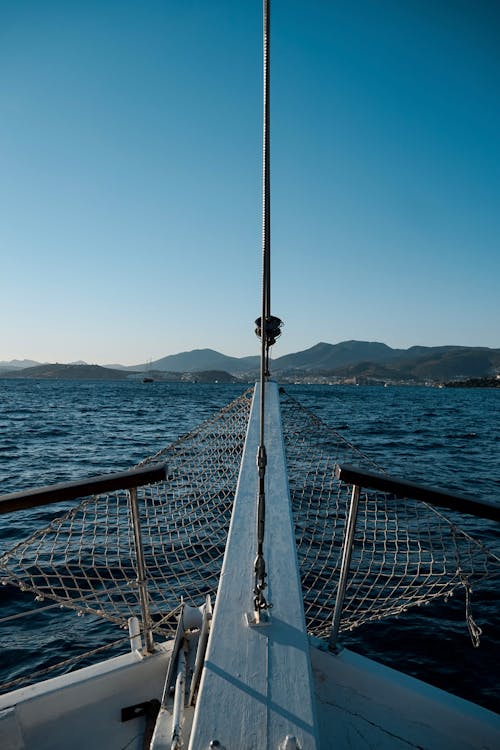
[259, 600]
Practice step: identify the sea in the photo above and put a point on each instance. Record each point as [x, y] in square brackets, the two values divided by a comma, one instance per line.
[55, 430]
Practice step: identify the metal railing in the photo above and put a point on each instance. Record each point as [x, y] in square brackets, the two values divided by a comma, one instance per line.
[65, 491]
[126, 480]
[400, 489]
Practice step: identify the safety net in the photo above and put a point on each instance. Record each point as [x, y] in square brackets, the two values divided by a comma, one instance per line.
[405, 552]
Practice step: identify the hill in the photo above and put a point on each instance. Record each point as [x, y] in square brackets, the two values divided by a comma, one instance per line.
[209, 376]
[17, 364]
[363, 359]
[67, 372]
[200, 360]
[324, 356]
[347, 359]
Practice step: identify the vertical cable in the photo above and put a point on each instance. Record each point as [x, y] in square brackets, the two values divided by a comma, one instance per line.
[266, 216]
[266, 173]
[259, 565]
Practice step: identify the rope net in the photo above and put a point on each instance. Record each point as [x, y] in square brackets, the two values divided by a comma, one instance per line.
[405, 552]
[86, 559]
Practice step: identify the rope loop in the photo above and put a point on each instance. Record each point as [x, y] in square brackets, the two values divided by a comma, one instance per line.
[475, 631]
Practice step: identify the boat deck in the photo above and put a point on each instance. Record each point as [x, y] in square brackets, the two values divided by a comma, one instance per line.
[262, 687]
[363, 704]
[256, 689]
[358, 704]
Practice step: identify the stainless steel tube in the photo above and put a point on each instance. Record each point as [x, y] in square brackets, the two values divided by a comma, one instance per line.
[141, 572]
[344, 570]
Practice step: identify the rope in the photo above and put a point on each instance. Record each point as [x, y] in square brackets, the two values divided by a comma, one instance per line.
[34, 676]
[28, 612]
[475, 631]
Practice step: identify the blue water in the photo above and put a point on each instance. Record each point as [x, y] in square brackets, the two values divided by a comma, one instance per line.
[53, 431]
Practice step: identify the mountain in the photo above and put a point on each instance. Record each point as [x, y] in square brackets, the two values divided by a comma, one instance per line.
[363, 359]
[331, 356]
[201, 360]
[347, 359]
[18, 364]
[368, 359]
[455, 363]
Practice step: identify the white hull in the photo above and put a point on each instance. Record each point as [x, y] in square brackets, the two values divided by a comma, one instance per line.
[83, 709]
[359, 704]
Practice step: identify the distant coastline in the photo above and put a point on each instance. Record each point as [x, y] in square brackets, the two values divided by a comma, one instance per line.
[475, 383]
[96, 372]
[348, 362]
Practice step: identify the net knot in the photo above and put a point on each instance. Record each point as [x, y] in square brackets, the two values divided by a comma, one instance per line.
[475, 631]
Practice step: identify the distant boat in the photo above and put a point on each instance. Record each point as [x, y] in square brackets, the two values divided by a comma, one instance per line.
[148, 377]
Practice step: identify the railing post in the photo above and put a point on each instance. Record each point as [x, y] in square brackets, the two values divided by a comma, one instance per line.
[141, 572]
[344, 570]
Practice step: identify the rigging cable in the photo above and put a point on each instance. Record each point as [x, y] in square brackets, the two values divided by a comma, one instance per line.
[268, 327]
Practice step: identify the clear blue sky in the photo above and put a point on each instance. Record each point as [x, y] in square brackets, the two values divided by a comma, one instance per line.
[130, 175]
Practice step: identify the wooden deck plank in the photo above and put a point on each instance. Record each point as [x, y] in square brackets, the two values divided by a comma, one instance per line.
[256, 687]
